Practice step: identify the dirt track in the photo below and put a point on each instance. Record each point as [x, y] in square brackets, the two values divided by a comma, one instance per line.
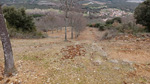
[119, 49]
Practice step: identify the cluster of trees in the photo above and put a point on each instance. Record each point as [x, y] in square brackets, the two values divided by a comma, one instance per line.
[54, 21]
[68, 6]
[70, 17]
[77, 22]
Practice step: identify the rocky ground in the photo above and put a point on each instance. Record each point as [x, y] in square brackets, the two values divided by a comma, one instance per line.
[85, 60]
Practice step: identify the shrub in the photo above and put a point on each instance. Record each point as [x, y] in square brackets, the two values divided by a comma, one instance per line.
[130, 28]
[101, 28]
[90, 25]
[109, 22]
[118, 19]
[18, 19]
[97, 25]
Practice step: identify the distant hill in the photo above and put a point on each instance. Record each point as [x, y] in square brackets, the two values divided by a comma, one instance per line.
[133, 1]
[23, 1]
[127, 5]
[113, 1]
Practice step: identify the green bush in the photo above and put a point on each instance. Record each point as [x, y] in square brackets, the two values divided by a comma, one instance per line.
[90, 25]
[118, 19]
[18, 19]
[101, 28]
[109, 22]
[97, 25]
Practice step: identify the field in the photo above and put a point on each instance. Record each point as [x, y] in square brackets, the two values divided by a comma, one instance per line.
[84, 60]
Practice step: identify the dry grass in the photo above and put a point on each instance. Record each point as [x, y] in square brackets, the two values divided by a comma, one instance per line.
[39, 61]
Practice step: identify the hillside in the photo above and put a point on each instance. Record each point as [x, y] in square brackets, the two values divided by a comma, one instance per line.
[85, 60]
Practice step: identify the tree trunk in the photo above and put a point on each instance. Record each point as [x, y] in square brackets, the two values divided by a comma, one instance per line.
[65, 29]
[61, 29]
[72, 33]
[57, 29]
[52, 31]
[8, 54]
[77, 34]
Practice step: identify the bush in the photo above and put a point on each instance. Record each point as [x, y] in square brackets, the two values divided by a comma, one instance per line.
[101, 28]
[18, 19]
[130, 28]
[98, 25]
[118, 19]
[90, 25]
[108, 22]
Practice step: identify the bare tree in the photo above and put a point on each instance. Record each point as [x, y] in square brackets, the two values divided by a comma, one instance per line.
[8, 54]
[77, 22]
[71, 23]
[67, 6]
[52, 21]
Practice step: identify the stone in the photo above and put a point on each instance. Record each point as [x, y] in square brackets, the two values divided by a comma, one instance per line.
[97, 62]
[114, 61]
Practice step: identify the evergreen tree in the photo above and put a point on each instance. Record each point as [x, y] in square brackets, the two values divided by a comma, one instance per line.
[142, 14]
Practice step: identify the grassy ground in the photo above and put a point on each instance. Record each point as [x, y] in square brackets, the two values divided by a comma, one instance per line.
[85, 60]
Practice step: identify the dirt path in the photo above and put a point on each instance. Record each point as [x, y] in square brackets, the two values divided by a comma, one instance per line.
[130, 51]
[88, 34]
[91, 34]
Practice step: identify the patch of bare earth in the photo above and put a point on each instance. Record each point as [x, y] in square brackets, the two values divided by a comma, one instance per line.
[131, 49]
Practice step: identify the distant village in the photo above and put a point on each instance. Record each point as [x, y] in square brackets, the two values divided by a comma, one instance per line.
[110, 13]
